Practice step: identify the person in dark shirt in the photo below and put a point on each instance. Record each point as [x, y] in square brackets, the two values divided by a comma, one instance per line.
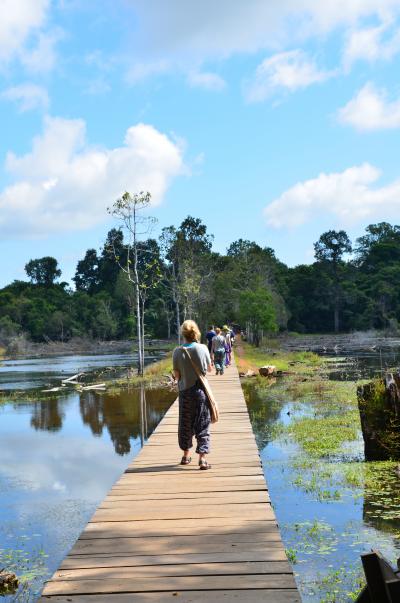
[209, 336]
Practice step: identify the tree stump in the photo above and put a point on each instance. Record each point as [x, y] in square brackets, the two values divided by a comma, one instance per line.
[8, 582]
[379, 407]
[267, 371]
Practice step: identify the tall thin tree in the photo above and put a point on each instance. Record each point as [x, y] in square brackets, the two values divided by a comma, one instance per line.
[129, 209]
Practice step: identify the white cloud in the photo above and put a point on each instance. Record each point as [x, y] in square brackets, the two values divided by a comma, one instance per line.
[284, 71]
[206, 80]
[348, 196]
[28, 96]
[178, 33]
[66, 184]
[19, 19]
[371, 44]
[371, 109]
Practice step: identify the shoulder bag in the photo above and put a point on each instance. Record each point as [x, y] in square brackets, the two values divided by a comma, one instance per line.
[207, 390]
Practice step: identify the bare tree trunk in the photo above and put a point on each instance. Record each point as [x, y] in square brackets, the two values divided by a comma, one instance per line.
[168, 317]
[137, 294]
[142, 327]
[336, 318]
[178, 322]
[139, 333]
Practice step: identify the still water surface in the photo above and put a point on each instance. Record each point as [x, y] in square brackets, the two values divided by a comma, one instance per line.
[58, 459]
[326, 520]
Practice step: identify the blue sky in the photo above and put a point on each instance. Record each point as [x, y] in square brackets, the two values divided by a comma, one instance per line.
[271, 121]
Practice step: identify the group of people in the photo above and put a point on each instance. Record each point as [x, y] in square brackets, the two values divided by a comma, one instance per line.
[189, 360]
[219, 342]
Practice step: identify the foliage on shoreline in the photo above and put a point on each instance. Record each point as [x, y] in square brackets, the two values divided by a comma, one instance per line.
[260, 292]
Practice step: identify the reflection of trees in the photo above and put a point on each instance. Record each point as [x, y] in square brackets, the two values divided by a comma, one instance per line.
[129, 414]
[382, 497]
[264, 408]
[47, 415]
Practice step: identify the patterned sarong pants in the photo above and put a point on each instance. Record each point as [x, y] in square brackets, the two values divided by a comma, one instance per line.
[194, 419]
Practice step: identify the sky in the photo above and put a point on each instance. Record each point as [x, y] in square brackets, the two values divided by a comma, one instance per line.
[272, 121]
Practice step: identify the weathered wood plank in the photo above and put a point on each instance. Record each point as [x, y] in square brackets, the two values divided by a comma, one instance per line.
[166, 531]
[220, 596]
[174, 583]
[175, 570]
[128, 560]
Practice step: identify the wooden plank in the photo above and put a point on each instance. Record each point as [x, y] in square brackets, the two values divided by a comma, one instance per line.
[181, 498]
[136, 529]
[167, 530]
[221, 596]
[174, 583]
[86, 561]
[258, 511]
[153, 526]
[175, 570]
[241, 498]
[145, 546]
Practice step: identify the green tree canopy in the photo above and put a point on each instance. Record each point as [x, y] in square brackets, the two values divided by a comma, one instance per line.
[43, 271]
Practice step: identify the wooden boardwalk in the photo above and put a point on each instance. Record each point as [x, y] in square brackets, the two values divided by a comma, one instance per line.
[167, 532]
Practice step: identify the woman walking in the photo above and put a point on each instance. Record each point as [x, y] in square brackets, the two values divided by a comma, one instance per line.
[194, 411]
[218, 351]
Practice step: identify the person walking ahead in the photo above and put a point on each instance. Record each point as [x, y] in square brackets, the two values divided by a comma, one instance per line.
[218, 351]
[194, 411]
[210, 336]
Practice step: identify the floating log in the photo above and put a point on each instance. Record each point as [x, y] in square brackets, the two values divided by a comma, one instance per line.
[379, 407]
[52, 389]
[94, 386]
[73, 379]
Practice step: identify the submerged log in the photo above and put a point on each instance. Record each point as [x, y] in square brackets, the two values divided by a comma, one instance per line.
[379, 407]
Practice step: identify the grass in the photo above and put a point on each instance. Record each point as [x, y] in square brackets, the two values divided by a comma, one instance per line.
[155, 375]
[321, 437]
[323, 459]
[251, 358]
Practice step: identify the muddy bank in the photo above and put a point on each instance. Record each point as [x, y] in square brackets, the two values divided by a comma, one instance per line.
[331, 343]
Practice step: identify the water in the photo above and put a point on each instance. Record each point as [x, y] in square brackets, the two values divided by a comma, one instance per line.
[31, 373]
[329, 511]
[58, 459]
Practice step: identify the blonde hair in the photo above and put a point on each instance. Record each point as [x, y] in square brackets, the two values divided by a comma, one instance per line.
[190, 331]
[218, 330]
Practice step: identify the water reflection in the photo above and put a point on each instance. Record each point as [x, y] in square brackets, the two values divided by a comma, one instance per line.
[132, 413]
[381, 506]
[329, 510]
[47, 415]
[58, 458]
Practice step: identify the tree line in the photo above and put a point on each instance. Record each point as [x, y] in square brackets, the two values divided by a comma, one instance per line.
[348, 287]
